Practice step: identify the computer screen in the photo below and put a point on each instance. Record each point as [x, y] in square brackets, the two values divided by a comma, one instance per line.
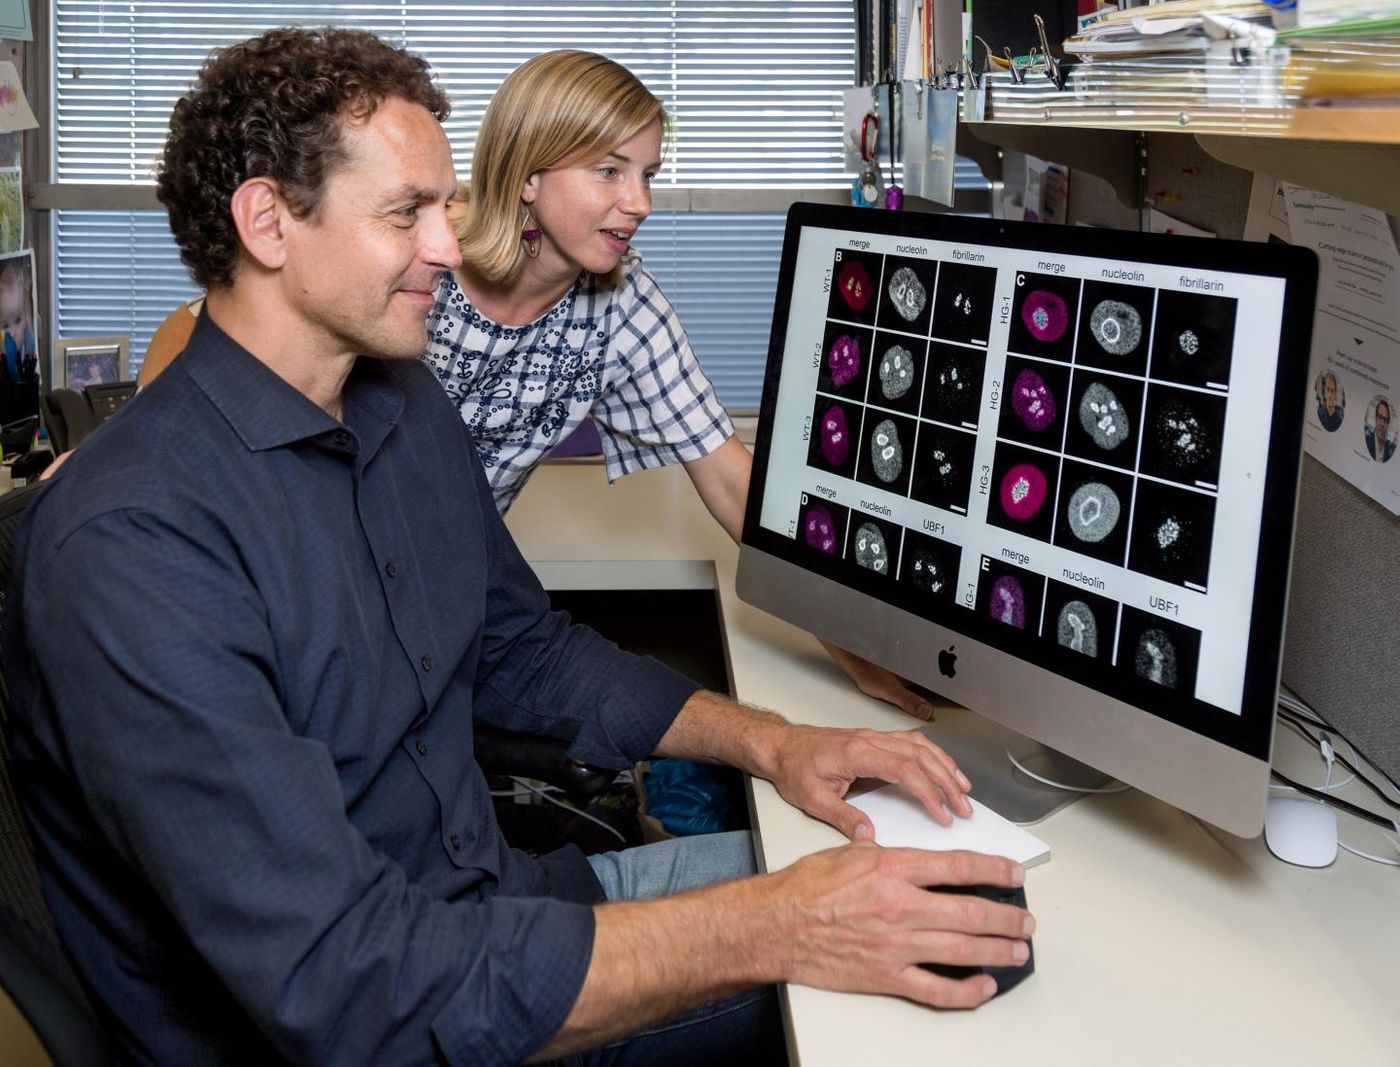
[1048, 472]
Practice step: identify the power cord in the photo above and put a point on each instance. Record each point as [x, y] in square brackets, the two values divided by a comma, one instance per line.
[1330, 756]
[528, 787]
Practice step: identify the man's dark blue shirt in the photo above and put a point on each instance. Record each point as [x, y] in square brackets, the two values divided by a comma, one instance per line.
[247, 643]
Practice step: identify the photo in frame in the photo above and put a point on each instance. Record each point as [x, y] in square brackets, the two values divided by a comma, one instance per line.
[83, 361]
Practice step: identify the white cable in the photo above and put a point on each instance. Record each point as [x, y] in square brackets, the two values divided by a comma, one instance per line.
[1061, 785]
[569, 807]
[1351, 755]
[1368, 856]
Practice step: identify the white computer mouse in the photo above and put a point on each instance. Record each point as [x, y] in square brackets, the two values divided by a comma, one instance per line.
[1301, 831]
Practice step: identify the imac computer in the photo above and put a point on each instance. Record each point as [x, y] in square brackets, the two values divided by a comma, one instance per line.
[1047, 472]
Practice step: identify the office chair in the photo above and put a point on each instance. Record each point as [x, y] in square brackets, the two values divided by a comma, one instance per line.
[33, 969]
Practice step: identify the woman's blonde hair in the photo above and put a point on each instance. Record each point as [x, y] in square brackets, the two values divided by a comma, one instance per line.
[558, 109]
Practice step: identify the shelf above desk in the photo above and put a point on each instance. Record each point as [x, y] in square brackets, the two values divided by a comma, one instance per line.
[1251, 117]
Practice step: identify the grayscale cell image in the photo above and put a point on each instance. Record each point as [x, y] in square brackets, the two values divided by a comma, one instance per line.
[1185, 442]
[1116, 326]
[1155, 658]
[1103, 417]
[870, 549]
[886, 452]
[1188, 342]
[927, 573]
[1094, 510]
[1076, 629]
[907, 294]
[896, 372]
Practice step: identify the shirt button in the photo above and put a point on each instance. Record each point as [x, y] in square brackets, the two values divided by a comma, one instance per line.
[422, 748]
[341, 438]
[391, 569]
[456, 842]
[426, 663]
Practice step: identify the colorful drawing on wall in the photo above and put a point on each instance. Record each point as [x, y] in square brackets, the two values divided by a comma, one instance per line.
[11, 212]
[15, 113]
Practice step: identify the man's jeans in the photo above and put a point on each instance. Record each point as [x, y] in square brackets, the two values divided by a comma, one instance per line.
[746, 1029]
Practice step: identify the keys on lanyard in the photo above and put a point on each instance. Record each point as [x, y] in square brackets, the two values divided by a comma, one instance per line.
[868, 186]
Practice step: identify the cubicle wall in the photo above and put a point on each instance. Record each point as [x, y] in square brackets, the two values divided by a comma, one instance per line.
[1343, 643]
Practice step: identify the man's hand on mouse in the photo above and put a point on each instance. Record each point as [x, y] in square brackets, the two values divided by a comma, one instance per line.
[859, 919]
[813, 769]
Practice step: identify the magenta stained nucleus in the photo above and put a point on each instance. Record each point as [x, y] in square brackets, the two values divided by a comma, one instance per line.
[1045, 315]
[843, 360]
[1032, 401]
[1008, 602]
[835, 438]
[1023, 491]
[819, 530]
[853, 283]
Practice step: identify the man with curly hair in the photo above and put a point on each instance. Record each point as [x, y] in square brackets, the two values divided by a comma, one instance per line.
[255, 619]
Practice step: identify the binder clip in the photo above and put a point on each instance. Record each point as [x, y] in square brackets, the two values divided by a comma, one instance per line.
[1054, 69]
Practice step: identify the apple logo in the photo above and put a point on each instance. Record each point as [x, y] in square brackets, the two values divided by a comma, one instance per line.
[948, 662]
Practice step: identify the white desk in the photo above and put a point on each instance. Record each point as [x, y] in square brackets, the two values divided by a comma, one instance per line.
[1160, 940]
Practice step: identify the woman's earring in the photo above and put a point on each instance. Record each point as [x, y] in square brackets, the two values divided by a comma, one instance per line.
[530, 234]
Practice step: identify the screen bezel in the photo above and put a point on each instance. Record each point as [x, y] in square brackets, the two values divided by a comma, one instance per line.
[1250, 731]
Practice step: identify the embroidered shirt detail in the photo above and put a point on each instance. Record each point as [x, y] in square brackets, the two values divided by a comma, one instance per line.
[619, 355]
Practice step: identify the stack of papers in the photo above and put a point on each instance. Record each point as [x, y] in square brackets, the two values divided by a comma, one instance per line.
[1179, 26]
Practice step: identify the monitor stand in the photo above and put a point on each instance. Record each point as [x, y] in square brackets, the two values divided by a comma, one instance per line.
[980, 747]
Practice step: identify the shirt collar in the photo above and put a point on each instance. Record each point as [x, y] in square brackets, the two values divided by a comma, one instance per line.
[266, 412]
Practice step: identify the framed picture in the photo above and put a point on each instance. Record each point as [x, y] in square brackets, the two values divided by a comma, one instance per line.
[83, 361]
[19, 346]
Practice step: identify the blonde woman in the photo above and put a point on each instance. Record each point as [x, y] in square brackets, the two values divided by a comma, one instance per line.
[552, 317]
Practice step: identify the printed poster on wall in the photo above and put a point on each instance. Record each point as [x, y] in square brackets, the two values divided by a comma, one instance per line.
[1350, 425]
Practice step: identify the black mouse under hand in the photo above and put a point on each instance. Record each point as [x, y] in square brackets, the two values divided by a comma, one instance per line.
[1005, 977]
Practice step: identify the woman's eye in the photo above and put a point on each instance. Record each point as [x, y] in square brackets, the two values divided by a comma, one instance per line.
[607, 172]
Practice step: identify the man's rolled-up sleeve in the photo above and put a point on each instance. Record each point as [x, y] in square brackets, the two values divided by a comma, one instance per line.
[162, 683]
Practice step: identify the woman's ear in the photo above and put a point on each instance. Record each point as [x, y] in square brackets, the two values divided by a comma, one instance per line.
[531, 188]
[260, 214]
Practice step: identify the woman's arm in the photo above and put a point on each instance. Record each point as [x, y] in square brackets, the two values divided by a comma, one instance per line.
[722, 480]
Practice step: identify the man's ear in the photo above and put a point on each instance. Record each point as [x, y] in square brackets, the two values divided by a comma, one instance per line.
[531, 188]
[261, 215]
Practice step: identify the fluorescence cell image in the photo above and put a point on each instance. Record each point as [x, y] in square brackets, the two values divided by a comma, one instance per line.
[896, 379]
[869, 550]
[1023, 491]
[834, 438]
[855, 279]
[1043, 315]
[1033, 402]
[1195, 339]
[887, 451]
[872, 550]
[846, 354]
[1115, 323]
[962, 304]
[1182, 433]
[1104, 417]
[942, 474]
[821, 525]
[906, 295]
[1010, 595]
[953, 384]
[1172, 533]
[1082, 625]
[1158, 651]
[929, 567]
[1092, 513]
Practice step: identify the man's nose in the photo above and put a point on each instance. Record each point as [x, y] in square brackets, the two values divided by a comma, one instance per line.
[441, 249]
